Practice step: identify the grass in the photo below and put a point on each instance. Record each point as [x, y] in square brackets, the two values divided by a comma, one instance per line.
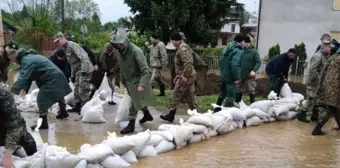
[203, 102]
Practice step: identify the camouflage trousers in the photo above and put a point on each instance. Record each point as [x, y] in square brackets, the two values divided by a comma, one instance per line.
[156, 78]
[184, 92]
[82, 88]
[228, 92]
[44, 112]
[309, 108]
[328, 113]
[247, 86]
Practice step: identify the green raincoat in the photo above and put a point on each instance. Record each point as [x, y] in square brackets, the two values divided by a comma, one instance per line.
[134, 71]
[230, 62]
[52, 83]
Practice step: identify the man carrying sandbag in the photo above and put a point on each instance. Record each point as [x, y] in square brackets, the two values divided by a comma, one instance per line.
[81, 70]
[250, 64]
[230, 71]
[185, 78]
[135, 76]
[277, 70]
[316, 64]
[328, 93]
[52, 83]
[108, 63]
[13, 132]
[159, 58]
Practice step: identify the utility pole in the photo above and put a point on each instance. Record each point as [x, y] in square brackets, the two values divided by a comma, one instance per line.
[62, 16]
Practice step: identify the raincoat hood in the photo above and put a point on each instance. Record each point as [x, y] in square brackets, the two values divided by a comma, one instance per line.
[231, 46]
[120, 37]
[23, 52]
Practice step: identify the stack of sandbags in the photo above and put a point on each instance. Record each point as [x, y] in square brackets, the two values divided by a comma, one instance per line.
[93, 111]
[28, 103]
[181, 134]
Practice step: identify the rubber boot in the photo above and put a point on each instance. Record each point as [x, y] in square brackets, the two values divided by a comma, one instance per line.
[147, 117]
[252, 98]
[169, 117]
[44, 124]
[130, 128]
[161, 90]
[112, 102]
[219, 102]
[238, 97]
[75, 109]
[62, 113]
[317, 130]
[302, 116]
[92, 94]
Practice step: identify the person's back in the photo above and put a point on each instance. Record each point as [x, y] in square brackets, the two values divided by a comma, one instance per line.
[229, 61]
[58, 57]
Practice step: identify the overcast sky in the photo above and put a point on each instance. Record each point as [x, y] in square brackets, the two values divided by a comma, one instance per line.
[112, 10]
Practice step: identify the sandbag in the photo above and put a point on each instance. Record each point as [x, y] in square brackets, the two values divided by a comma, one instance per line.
[299, 97]
[59, 157]
[243, 105]
[280, 110]
[263, 105]
[260, 113]
[140, 140]
[196, 138]
[292, 115]
[254, 121]
[123, 109]
[114, 161]
[270, 111]
[81, 164]
[93, 111]
[37, 160]
[249, 112]
[148, 151]
[196, 129]
[96, 165]
[272, 96]
[119, 145]
[286, 92]
[212, 133]
[200, 120]
[239, 123]
[231, 128]
[221, 124]
[272, 119]
[290, 106]
[130, 157]
[283, 117]
[286, 100]
[19, 152]
[165, 134]
[165, 146]
[96, 153]
[155, 139]
[235, 113]
[69, 99]
[103, 95]
[264, 120]
[181, 134]
[17, 162]
[234, 124]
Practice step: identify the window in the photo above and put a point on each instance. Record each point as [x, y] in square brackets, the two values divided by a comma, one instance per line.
[233, 25]
[336, 5]
[335, 35]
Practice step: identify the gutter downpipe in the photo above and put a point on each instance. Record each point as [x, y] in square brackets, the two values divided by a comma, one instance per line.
[258, 25]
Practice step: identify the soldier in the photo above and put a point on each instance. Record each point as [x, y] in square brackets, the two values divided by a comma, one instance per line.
[316, 65]
[250, 64]
[81, 70]
[328, 93]
[13, 132]
[185, 77]
[108, 63]
[277, 69]
[230, 71]
[159, 58]
[4, 61]
[52, 83]
[135, 76]
[335, 44]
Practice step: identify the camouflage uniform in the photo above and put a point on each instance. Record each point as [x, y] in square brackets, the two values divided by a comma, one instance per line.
[159, 58]
[108, 63]
[81, 70]
[184, 68]
[13, 132]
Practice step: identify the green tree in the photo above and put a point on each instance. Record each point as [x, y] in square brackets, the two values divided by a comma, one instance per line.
[274, 51]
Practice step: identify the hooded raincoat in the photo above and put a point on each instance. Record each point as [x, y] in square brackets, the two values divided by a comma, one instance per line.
[52, 83]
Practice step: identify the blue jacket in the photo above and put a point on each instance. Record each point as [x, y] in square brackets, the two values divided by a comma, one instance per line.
[63, 65]
[279, 65]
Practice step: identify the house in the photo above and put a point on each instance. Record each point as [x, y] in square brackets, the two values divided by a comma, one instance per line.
[290, 22]
[228, 32]
[8, 31]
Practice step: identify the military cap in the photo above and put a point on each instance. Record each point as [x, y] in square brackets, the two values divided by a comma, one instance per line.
[13, 44]
[58, 36]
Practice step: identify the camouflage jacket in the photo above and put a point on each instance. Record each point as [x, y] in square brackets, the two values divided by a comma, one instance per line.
[4, 63]
[316, 64]
[107, 60]
[158, 55]
[78, 59]
[12, 123]
[184, 61]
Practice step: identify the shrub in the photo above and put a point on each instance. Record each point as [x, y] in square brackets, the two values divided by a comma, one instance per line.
[274, 51]
[301, 51]
[31, 37]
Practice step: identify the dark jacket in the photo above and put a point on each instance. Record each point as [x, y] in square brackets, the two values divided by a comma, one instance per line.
[91, 55]
[279, 65]
[250, 62]
[63, 65]
[230, 62]
[335, 44]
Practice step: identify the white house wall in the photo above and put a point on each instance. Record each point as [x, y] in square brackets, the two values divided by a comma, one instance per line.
[289, 22]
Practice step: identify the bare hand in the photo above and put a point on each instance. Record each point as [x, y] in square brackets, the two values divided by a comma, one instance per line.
[237, 82]
[95, 67]
[22, 93]
[7, 162]
[252, 74]
[140, 88]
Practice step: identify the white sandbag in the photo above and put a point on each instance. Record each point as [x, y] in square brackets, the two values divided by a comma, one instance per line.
[81, 164]
[235, 113]
[114, 162]
[272, 119]
[165, 134]
[249, 112]
[93, 102]
[69, 99]
[93, 111]
[37, 160]
[290, 106]
[59, 157]
[196, 129]
[212, 133]
[272, 96]
[103, 95]
[263, 105]
[265, 120]
[96, 153]
[181, 134]
[200, 120]
[165, 146]
[231, 128]
[96, 165]
[299, 96]
[280, 110]
[292, 115]
[123, 109]
[270, 111]
[140, 140]
[239, 123]
[32, 97]
[234, 124]
[148, 151]
[155, 139]
[243, 105]
[209, 112]
[286, 92]
[36, 135]
[260, 113]
[119, 145]
[19, 152]
[285, 100]
[193, 112]
[221, 124]
[283, 117]
[254, 121]
[196, 138]
[130, 157]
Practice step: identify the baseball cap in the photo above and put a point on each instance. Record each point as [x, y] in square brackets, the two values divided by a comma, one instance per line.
[58, 36]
